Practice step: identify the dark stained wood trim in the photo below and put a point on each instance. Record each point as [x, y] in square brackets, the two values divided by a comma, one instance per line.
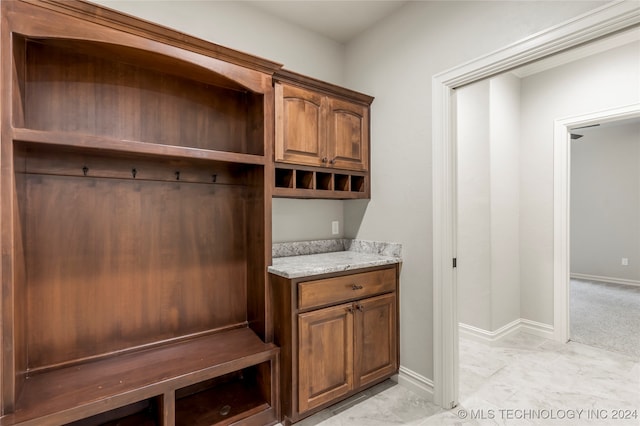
[290, 77]
[100, 143]
[318, 194]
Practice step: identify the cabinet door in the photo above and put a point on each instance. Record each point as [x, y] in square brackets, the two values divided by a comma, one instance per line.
[376, 349]
[300, 126]
[325, 359]
[348, 135]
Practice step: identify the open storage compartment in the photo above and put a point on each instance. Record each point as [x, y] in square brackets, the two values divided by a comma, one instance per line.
[225, 399]
[136, 218]
[309, 182]
[342, 182]
[117, 262]
[142, 413]
[140, 96]
[324, 181]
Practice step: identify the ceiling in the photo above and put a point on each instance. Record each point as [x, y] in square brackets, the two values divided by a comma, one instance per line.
[342, 20]
[338, 20]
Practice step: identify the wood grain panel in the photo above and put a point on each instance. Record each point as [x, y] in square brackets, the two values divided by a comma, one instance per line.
[325, 355]
[118, 263]
[76, 92]
[300, 129]
[376, 344]
[348, 287]
[348, 135]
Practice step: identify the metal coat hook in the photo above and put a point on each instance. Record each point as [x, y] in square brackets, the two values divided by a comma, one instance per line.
[85, 170]
[134, 172]
[178, 175]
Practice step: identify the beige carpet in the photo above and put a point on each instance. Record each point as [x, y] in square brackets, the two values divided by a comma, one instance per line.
[606, 316]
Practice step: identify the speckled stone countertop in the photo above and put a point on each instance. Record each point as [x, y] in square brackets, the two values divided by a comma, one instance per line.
[326, 256]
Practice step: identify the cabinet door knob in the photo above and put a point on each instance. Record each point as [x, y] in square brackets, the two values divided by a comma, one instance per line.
[350, 309]
[359, 307]
[324, 159]
[356, 287]
[332, 161]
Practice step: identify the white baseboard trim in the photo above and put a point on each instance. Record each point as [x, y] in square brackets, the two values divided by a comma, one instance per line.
[521, 324]
[415, 382]
[602, 279]
[482, 335]
[537, 328]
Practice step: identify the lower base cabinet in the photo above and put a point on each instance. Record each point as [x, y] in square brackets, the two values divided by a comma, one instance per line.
[338, 335]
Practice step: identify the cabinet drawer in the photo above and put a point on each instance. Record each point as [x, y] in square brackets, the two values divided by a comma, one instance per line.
[348, 287]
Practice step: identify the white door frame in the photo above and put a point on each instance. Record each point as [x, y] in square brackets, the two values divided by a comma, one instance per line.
[600, 22]
[562, 208]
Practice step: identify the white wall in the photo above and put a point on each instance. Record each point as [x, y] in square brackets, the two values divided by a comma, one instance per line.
[474, 205]
[488, 116]
[241, 27]
[504, 119]
[525, 208]
[608, 80]
[395, 62]
[605, 202]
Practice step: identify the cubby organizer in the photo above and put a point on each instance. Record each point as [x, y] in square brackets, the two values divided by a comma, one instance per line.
[307, 182]
[136, 201]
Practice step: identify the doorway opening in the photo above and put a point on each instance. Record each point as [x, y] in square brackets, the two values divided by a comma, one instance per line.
[603, 21]
[604, 301]
[562, 205]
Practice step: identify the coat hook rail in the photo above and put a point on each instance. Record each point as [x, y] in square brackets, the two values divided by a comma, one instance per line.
[150, 175]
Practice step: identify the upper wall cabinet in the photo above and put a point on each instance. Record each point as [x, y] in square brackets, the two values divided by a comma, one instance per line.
[323, 127]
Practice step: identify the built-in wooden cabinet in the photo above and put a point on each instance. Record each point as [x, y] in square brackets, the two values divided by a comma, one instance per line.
[338, 335]
[135, 210]
[322, 131]
[136, 180]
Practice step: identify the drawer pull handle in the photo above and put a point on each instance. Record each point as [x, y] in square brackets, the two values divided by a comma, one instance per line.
[356, 287]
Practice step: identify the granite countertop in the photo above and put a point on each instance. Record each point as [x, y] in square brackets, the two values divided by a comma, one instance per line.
[343, 255]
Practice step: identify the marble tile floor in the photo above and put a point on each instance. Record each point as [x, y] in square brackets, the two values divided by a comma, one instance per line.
[522, 380]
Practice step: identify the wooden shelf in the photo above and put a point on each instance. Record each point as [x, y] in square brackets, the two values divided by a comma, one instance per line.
[309, 182]
[87, 389]
[105, 144]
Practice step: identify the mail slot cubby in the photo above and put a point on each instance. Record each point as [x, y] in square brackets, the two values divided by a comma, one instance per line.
[304, 179]
[342, 182]
[285, 178]
[324, 181]
[308, 182]
[358, 184]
